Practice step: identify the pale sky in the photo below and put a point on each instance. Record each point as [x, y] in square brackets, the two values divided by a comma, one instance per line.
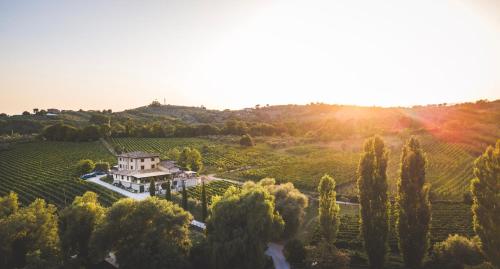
[234, 53]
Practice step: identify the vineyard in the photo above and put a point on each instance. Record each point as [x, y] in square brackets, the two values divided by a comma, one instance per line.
[213, 188]
[447, 218]
[46, 170]
[449, 168]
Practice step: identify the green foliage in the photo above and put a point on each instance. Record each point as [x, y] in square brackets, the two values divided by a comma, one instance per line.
[295, 253]
[184, 197]
[328, 210]
[28, 237]
[101, 166]
[168, 191]
[486, 205]
[456, 252]
[325, 256]
[173, 154]
[204, 202]
[77, 222]
[414, 209]
[246, 141]
[290, 204]
[84, 167]
[47, 170]
[152, 233]
[9, 205]
[241, 223]
[190, 159]
[152, 187]
[374, 200]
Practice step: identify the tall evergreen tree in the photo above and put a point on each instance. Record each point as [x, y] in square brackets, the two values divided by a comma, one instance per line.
[414, 209]
[152, 187]
[204, 210]
[486, 205]
[168, 191]
[328, 210]
[184, 196]
[374, 202]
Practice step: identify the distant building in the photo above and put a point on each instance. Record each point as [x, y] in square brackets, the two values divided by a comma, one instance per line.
[53, 111]
[136, 169]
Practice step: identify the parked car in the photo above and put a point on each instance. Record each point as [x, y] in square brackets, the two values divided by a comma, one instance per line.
[89, 175]
[100, 173]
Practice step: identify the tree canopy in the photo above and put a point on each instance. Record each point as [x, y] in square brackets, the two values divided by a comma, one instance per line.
[241, 224]
[486, 202]
[374, 200]
[414, 209]
[151, 233]
[290, 204]
[77, 222]
[28, 235]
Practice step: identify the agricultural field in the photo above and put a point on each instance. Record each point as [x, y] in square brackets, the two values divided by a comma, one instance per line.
[213, 188]
[46, 170]
[449, 168]
[447, 218]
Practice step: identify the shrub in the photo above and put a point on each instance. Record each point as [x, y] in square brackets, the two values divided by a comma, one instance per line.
[84, 167]
[456, 251]
[295, 252]
[246, 141]
[102, 166]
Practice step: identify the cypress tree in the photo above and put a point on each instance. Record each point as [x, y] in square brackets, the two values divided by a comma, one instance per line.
[204, 210]
[414, 209]
[168, 191]
[152, 187]
[328, 210]
[486, 202]
[184, 196]
[374, 202]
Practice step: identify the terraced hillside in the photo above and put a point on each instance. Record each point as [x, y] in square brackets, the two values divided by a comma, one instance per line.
[46, 170]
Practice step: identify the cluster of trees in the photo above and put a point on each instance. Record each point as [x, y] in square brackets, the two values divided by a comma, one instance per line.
[86, 166]
[64, 132]
[85, 233]
[413, 209]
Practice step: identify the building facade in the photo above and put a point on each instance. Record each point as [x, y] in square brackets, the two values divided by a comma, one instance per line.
[135, 170]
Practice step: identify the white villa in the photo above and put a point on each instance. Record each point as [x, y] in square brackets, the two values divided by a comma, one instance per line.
[136, 169]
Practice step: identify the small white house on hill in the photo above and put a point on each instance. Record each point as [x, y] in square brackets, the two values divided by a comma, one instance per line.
[136, 169]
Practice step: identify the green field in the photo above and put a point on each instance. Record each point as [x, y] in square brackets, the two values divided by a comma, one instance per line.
[449, 167]
[46, 170]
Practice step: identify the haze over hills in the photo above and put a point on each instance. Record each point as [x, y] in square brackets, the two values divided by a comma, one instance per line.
[474, 125]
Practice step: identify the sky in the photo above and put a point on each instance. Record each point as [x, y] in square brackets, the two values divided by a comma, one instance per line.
[98, 54]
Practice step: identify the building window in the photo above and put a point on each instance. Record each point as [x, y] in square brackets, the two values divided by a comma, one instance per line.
[152, 166]
[131, 160]
[142, 160]
[142, 167]
[131, 167]
[123, 177]
[152, 159]
[120, 166]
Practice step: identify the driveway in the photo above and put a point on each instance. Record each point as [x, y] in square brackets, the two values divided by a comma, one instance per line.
[136, 196]
[276, 252]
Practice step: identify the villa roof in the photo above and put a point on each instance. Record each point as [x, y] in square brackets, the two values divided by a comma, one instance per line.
[138, 154]
[142, 173]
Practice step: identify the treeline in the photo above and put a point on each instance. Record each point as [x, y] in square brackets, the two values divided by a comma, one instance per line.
[65, 132]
